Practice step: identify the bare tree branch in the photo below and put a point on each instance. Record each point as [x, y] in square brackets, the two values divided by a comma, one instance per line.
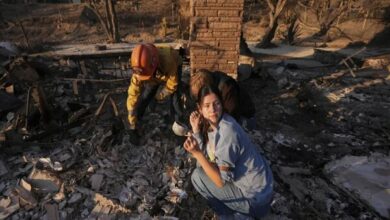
[110, 22]
[274, 14]
[94, 8]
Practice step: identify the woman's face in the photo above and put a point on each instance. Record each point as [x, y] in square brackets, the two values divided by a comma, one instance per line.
[211, 108]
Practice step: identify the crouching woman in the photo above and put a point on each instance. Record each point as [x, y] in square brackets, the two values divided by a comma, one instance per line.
[233, 177]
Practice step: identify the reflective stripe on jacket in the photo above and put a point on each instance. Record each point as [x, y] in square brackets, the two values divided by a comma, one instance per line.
[166, 73]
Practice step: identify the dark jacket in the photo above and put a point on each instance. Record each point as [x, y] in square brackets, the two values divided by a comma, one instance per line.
[236, 101]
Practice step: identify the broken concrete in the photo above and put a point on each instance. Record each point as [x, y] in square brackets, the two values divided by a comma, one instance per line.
[93, 170]
[366, 178]
[43, 181]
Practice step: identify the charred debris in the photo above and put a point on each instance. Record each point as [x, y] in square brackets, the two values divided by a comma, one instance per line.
[65, 153]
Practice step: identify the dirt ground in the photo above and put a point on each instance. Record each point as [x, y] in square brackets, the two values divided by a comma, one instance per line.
[50, 24]
[306, 117]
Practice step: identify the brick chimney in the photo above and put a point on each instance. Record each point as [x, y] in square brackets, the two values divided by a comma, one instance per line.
[215, 35]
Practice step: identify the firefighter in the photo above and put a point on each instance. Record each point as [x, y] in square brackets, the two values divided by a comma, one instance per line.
[152, 67]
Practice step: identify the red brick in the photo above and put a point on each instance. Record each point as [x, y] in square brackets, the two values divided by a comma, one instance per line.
[204, 35]
[228, 44]
[231, 1]
[229, 70]
[225, 6]
[229, 40]
[228, 53]
[199, 3]
[198, 52]
[229, 47]
[205, 66]
[226, 34]
[217, 61]
[202, 45]
[228, 56]
[216, 6]
[206, 39]
[228, 66]
[232, 5]
[230, 13]
[230, 19]
[201, 57]
[213, 19]
[212, 53]
[226, 38]
[205, 12]
[198, 62]
[223, 25]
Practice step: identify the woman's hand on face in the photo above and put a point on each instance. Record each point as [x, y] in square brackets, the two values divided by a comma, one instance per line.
[195, 121]
[191, 145]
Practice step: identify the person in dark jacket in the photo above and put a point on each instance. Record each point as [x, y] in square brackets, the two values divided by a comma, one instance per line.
[236, 101]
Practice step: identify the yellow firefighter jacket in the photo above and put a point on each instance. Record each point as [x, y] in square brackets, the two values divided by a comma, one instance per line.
[166, 73]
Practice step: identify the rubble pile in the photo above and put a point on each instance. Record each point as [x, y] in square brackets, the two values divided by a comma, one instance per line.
[310, 117]
[67, 154]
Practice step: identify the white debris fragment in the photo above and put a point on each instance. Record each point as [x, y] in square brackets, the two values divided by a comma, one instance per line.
[10, 116]
[91, 169]
[56, 166]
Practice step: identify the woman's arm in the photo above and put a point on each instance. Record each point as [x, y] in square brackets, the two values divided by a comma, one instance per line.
[195, 121]
[211, 170]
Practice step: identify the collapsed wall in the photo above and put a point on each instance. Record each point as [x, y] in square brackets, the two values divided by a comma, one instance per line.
[215, 35]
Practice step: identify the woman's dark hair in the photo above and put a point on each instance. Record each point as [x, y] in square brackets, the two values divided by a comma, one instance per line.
[204, 91]
[207, 90]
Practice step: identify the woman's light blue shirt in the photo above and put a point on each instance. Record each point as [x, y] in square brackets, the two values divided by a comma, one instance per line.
[249, 171]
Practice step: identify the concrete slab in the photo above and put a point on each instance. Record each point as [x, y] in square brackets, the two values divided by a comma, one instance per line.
[307, 52]
[95, 50]
[300, 63]
[365, 178]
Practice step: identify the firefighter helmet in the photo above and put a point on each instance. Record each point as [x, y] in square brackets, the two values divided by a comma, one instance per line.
[144, 61]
